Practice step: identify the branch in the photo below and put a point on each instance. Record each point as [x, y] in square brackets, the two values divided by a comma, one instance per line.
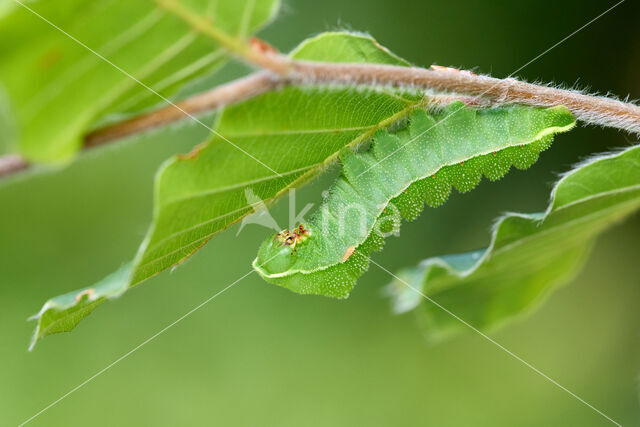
[596, 110]
[485, 91]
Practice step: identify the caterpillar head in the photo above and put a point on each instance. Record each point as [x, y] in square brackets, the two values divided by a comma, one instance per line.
[293, 238]
[280, 252]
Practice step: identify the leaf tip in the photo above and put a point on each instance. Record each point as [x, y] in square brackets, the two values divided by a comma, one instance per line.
[64, 312]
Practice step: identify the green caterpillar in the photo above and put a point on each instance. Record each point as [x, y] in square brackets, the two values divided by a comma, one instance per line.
[393, 179]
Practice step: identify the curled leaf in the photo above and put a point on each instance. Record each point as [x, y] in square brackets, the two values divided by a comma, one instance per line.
[530, 255]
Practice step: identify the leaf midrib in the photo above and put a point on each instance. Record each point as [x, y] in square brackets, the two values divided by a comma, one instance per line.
[297, 131]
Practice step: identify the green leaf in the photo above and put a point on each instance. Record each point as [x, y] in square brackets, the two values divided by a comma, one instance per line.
[393, 179]
[202, 193]
[344, 47]
[58, 90]
[530, 255]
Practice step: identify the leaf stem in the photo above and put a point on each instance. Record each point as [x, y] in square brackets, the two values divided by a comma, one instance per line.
[240, 47]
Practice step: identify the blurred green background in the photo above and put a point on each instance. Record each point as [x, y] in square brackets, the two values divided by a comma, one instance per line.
[259, 355]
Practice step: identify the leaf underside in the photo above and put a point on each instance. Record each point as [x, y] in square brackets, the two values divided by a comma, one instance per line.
[530, 255]
[56, 89]
[393, 179]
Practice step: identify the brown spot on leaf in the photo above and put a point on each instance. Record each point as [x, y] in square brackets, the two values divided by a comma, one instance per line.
[50, 58]
[87, 292]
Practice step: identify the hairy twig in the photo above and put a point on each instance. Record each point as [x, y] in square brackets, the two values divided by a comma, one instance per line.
[596, 110]
[589, 109]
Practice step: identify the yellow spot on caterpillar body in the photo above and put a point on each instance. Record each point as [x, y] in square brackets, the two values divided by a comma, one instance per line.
[348, 253]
